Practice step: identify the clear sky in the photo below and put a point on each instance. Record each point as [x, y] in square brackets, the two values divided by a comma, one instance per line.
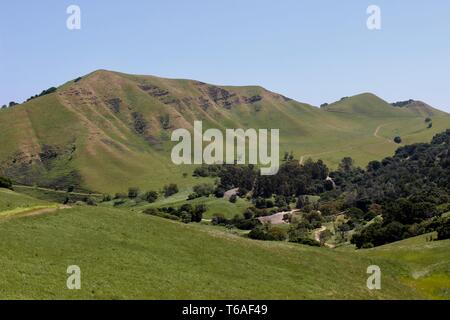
[313, 51]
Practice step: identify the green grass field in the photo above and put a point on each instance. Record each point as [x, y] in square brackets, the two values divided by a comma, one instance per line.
[10, 200]
[125, 254]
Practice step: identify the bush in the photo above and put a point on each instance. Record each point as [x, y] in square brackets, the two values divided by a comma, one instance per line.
[260, 234]
[268, 233]
[233, 198]
[170, 190]
[5, 183]
[193, 196]
[398, 140]
[219, 192]
[305, 241]
[186, 217]
[118, 202]
[133, 192]
[443, 230]
[278, 233]
[204, 189]
[150, 196]
[219, 219]
[90, 202]
[197, 214]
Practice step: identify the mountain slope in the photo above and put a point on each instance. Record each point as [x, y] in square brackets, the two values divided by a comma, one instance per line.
[110, 130]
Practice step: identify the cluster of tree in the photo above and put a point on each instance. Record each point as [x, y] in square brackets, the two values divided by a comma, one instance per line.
[10, 105]
[237, 176]
[380, 232]
[201, 190]
[288, 156]
[207, 170]
[408, 189]
[247, 221]
[401, 104]
[279, 202]
[299, 230]
[294, 179]
[268, 232]
[186, 213]
[43, 93]
[133, 194]
[5, 183]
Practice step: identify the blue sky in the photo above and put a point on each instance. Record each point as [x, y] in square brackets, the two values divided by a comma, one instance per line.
[312, 51]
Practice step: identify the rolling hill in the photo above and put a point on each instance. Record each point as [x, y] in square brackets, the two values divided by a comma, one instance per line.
[128, 255]
[107, 131]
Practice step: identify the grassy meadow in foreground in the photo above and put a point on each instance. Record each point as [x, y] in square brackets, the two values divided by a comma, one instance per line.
[124, 254]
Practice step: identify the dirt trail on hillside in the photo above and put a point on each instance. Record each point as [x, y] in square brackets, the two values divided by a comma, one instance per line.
[59, 191]
[375, 134]
[276, 218]
[34, 212]
[317, 237]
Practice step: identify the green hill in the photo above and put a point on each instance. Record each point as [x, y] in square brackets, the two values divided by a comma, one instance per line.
[124, 254]
[109, 130]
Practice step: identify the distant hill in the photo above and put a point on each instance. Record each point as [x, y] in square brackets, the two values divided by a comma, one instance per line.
[107, 131]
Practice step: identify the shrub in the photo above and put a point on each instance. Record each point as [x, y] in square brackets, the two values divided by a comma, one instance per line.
[305, 241]
[233, 198]
[260, 234]
[90, 202]
[193, 196]
[186, 217]
[197, 214]
[443, 230]
[5, 183]
[150, 196]
[278, 233]
[170, 190]
[133, 192]
[219, 192]
[398, 139]
[219, 219]
[203, 190]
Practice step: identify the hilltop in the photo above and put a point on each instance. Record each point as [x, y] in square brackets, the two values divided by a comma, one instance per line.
[107, 130]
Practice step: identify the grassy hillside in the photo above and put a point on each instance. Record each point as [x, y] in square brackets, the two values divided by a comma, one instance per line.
[110, 130]
[125, 254]
[428, 264]
[10, 200]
